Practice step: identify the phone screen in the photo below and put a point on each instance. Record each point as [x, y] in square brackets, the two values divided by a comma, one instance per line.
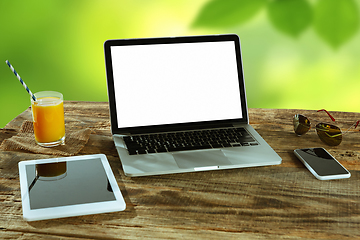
[321, 162]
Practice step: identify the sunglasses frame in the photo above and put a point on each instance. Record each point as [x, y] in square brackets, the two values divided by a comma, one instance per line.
[328, 133]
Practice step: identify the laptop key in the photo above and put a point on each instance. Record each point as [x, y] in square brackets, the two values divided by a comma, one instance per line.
[132, 151]
[203, 146]
[226, 145]
[161, 149]
[151, 150]
[141, 151]
[216, 145]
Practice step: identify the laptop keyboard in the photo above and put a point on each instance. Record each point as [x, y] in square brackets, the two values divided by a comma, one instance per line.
[188, 140]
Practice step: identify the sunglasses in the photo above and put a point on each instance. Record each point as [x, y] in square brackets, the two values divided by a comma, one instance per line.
[328, 133]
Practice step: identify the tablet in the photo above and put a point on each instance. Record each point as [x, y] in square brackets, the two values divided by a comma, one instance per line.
[68, 186]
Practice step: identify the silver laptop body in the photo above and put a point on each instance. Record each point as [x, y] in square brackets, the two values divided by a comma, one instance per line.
[180, 84]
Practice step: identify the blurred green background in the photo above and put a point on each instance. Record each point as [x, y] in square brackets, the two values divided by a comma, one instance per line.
[296, 53]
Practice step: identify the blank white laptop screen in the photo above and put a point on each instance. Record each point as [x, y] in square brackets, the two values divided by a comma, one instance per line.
[175, 83]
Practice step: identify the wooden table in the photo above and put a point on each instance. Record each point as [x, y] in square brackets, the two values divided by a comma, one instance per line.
[276, 202]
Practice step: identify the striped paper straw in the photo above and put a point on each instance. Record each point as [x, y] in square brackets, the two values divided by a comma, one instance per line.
[21, 81]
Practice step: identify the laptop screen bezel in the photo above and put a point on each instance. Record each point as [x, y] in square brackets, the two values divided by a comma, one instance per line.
[179, 126]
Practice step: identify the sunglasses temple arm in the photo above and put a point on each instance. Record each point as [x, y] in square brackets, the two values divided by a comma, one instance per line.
[355, 124]
[333, 119]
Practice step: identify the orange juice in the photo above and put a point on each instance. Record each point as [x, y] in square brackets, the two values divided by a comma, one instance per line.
[48, 119]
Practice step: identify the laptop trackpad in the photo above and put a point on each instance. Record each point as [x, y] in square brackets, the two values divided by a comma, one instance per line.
[211, 158]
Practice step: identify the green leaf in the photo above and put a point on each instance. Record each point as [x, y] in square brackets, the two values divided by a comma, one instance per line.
[290, 16]
[227, 13]
[336, 21]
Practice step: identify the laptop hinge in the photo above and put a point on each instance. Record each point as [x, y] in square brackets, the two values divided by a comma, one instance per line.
[149, 130]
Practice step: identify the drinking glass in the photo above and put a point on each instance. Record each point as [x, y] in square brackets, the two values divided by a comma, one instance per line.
[48, 118]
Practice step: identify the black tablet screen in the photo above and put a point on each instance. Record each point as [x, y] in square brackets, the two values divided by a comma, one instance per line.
[68, 183]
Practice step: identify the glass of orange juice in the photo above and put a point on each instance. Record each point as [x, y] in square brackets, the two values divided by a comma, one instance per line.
[48, 118]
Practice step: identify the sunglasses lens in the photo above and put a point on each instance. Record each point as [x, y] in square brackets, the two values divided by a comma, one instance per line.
[301, 124]
[329, 134]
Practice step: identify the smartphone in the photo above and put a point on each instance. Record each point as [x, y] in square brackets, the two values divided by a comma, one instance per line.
[321, 164]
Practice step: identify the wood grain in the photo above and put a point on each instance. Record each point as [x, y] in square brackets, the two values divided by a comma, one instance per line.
[276, 202]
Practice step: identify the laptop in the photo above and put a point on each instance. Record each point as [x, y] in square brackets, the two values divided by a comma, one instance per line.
[178, 104]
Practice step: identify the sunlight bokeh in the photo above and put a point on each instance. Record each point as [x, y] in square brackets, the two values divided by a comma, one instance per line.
[58, 45]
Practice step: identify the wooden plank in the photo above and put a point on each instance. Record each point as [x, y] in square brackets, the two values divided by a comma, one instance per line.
[266, 200]
[273, 202]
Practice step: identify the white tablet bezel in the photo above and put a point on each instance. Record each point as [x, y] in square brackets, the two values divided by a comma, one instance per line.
[71, 210]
